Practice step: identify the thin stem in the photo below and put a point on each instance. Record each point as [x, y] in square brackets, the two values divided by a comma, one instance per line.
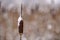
[20, 36]
[21, 11]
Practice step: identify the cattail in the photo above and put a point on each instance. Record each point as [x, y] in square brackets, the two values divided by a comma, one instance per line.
[20, 24]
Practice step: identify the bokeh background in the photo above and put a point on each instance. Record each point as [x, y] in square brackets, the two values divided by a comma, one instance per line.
[41, 19]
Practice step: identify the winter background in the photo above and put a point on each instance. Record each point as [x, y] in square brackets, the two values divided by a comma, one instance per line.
[41, 19]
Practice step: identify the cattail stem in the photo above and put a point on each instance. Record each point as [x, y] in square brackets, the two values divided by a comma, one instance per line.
[21, 11]
[20, 36]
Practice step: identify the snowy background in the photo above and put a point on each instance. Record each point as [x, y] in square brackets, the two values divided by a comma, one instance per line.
[41, 19]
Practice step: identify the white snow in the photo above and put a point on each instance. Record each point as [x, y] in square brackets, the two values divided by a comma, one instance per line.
[19, 19]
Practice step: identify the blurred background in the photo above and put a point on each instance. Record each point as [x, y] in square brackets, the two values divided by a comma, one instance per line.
[41, 19]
